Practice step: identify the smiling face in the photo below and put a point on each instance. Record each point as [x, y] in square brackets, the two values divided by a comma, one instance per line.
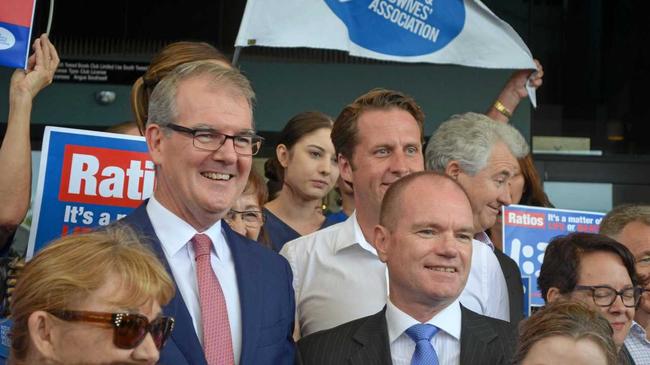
[196, 185]
[310, 167]
[69, 337]
[428, 248]
[389, 147]
[606, 268]
[489, 189]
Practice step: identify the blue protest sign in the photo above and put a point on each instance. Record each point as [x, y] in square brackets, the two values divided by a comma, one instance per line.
[87, 179]
[527, 232]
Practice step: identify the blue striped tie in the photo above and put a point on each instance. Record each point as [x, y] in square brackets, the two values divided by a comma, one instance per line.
[424, 353]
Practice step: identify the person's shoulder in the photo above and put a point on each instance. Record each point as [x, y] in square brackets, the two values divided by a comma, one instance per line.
[339, 344]
[486, 338]
[338, 333]
[483, 255]
[320, 239]
[505, 260]
[494, 325]
[255, 248]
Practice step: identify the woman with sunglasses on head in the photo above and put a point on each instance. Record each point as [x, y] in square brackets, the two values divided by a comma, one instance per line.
[305, 167]
[91, 298]
[595, 270]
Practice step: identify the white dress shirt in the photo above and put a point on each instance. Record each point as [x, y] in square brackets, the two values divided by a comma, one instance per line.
[446, 342]
[175, 235]
[338, 277]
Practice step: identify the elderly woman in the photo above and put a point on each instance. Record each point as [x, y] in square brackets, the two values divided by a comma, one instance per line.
[246, 216]
[566, 332]
[91, 298]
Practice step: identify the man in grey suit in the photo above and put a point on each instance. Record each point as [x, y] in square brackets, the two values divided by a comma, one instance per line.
[425, 238]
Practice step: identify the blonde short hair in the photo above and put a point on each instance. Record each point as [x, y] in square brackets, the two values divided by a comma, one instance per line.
[72, 267]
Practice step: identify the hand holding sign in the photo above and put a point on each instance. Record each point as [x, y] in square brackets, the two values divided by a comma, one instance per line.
[39, 73]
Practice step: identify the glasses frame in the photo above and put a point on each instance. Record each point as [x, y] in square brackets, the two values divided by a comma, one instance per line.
[238, 212]
[618, 293]
[256, 140]
[116, 320]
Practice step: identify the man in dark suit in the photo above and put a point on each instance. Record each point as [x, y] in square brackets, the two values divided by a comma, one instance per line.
[481, 155]
[234, 302]
[425, 238]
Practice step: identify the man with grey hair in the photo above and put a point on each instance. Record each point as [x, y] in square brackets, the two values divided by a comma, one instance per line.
[630, 225]
[234, 304]
[481, 155]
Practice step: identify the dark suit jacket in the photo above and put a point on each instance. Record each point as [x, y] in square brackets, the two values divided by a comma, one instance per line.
[266, 295]
[483, 340]
[515, 287]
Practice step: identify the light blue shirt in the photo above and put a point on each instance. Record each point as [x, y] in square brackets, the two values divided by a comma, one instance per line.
[446, 342]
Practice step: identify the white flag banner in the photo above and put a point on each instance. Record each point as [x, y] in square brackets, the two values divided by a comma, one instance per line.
[436, 31]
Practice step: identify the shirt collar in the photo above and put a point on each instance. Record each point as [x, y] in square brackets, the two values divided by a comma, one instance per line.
[483, 237]
[638, 329]
[447, 320]
[174, 233]
[350, 228]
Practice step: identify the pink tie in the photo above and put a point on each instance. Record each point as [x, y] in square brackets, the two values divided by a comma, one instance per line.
[217, 343]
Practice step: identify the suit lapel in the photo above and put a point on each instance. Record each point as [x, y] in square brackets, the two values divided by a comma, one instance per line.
[248, 274]
[184, 335]
[474, 338]
[372, 335]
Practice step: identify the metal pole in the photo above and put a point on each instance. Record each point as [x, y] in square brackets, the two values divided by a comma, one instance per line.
[235, 56]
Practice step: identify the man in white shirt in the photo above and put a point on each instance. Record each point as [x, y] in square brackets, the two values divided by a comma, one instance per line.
[234, 303]
[425, 237]
[481, 155]
[630, 225]
[338, 276]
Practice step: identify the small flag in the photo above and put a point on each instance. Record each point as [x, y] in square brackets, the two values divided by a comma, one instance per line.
[16, 18]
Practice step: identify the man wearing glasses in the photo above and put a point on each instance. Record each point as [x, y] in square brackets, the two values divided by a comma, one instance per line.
[598, 271]
[234, 304]
[630, 225]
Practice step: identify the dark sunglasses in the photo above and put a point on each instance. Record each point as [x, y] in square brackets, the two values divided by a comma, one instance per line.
[129, 329]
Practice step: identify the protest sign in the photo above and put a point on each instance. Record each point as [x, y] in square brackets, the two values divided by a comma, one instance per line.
[527, 232]
[15, 31]
[87, 179]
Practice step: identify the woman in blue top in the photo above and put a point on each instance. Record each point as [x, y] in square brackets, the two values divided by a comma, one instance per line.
[304, 170]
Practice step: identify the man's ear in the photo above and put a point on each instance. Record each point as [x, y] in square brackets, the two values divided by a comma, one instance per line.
[282, 153]
[345, 169]
[381, 241]
[41, 333]
[553, 294]
[154, 134]
[453, 169]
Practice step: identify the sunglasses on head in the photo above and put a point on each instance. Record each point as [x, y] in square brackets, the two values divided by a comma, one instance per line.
[129, 329]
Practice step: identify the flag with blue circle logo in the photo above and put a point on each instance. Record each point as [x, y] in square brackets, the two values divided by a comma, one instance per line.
[435, 31]
[15, 31]
[527, 232]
